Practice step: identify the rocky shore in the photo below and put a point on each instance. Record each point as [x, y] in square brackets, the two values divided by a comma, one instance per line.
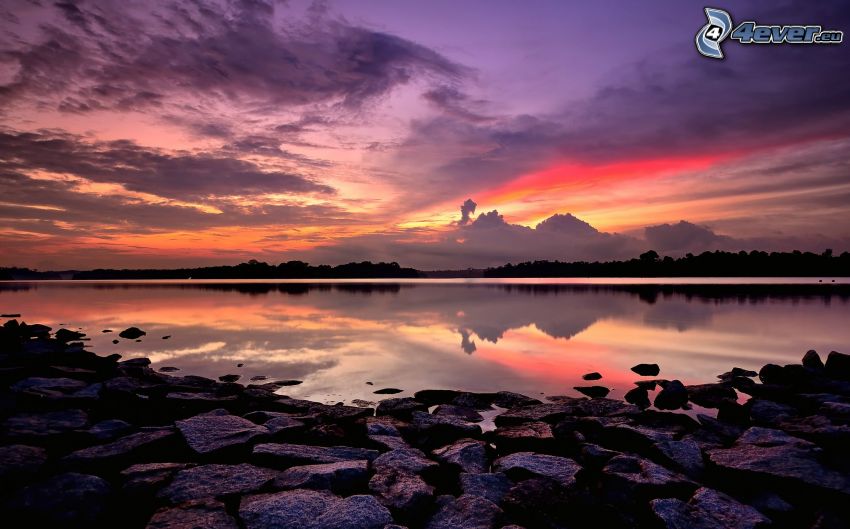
[89, 441]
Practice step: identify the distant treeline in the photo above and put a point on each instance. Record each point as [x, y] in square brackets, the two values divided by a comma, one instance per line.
[250, 270]
[707, 264]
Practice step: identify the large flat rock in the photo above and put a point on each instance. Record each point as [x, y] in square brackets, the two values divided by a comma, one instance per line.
[214, 432]
[522, 465]
[216, 481]
[308, 509]
[285, 454]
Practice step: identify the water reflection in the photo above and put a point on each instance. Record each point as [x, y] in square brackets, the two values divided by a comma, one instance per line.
[527, 338]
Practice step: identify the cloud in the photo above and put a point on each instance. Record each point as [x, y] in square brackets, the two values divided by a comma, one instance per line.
[466, 209]
[683, 236]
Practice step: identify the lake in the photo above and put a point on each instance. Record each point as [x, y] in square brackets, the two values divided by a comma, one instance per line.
[536, 337]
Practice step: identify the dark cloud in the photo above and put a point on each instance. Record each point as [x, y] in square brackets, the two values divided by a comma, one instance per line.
[683, 236]
[455, 103]
[466, 210]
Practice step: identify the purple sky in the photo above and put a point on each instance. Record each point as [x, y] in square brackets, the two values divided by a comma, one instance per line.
[180, 133]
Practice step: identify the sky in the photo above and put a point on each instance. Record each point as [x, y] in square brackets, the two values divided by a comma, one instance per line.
[437, 134]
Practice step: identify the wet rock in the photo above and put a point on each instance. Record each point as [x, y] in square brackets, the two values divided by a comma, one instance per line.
[436, 396]
[400, 407]
[211, 433]
[306, 509]
[344, 477]
[203, 514]
[546, 412]
[478, 401]
[408, 460]
[509, 399]
[594, 392]
[535, 436]
[736, 372]
[387, 391]
[638, 396]
[837, 365]
[707, 509]
[339, 413]
[289, 382]
[591, 376]
[65, 335]
[284, 426]
[169, 369]
[65, 500]
[711, 395]
[229, 378]
[465, 512]
[647, 370]
[123, 451]
[132, 333]
[684, 455]
[216, 481]
[489, 486]
[403, 493]
[459, 412]
[38, 425]
[632, 477]
[812, 360]
[115, 341]
[523, 465]
[19, 463]
[284, 454]
[469, 455]
[673, 397]
[771, 457]
[434, 431]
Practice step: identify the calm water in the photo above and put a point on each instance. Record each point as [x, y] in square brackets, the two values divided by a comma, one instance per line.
[534, 338]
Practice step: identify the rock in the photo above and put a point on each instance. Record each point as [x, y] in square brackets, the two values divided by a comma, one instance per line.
[594, 456]
[673, 397]
[47, 387]
[36, 425]
[436, 396]
[387, 391]
[550, 413]
[469, 455]
[144, 480]
[402, 492]
[465, 512]
[408, 460]
[837, 365]
[125, 450]
[685, 455]
[459, 412]
[19, 463]
[216, 481]
[65, 335]
[591, 376]
[210, 433]
[634, 477]
[478, 401]
[229, 378]
[594, 392]
[284, 454]
[508, 399]
[169, 369]
[711, 395]
[204, 514]
[534, 436]
[523, 465]
[434, 431]
[109, 429]
[400, 407]
[344, 477]
[286, 383]
[166, 337]
[65, 500]
[707, 509]
[647, 370]
[769, 413]
[307, 509]
[115, 341]
[768, 457]
[736, 372]
[132, 333]
[284, 426]
[492, 487]
[812, 360]
[638, 396]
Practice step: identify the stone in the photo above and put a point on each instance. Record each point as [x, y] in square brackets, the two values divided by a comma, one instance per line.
[132, 333]
[647, 370]
[203, 514]
[633, 476]
[465, 512]
[534, 436]
[66, 500]
[408, 460]
[711, 395]
[523, 465]
[400, 407]
[491, 486]
[771, 457]
[211, 433]
[402, 492]
[387, 391]
[308, 509]
[509, 399]
[38, 425]
[591, 376]
[673, 396]
[109, 429]
[812, 360]
[546, 412]
[685, 455]
[216, 481]
[432, 397]
[19, 463]
[707, 509]
[285, 454]
[47, 387]
[595, 456]
[145, 479]
[594, 392]
[469, 455]
[130, 448]
[66, 335]
[837, 365]
[354, 512]
[768, 413]
[638, 396]
[478, 401]
[460, 412]
[436, 431]
[736, 372]
[282, 426]
[229, 378]
[344, 477]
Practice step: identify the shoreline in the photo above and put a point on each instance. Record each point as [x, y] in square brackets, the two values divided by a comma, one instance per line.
[91, 441]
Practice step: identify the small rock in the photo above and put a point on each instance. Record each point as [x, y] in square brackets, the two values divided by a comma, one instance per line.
[211, 433]
[466, 512]
[591, 376]
[812, 360]
[65, 500]
[632, 475]
[387, 391]
[707, 509]
[534, 436]
[285, 454]
[402, 492]
[307, 509]
[360, 512]
[638, 396]
[737, 372]
[115, 341]
[18, 463]
[166, 337]
[65, 335]
[409, 460]
[673, 397]
[594, 392]
[470, 455]
[647, 370]
[492, 487]
[837, 365]
[229, 378]
[132, 333]
[459, 412]
[344, 477]
[203, 514]
[169, 369]
[523, 465]
[432, 397]
[711, 395]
